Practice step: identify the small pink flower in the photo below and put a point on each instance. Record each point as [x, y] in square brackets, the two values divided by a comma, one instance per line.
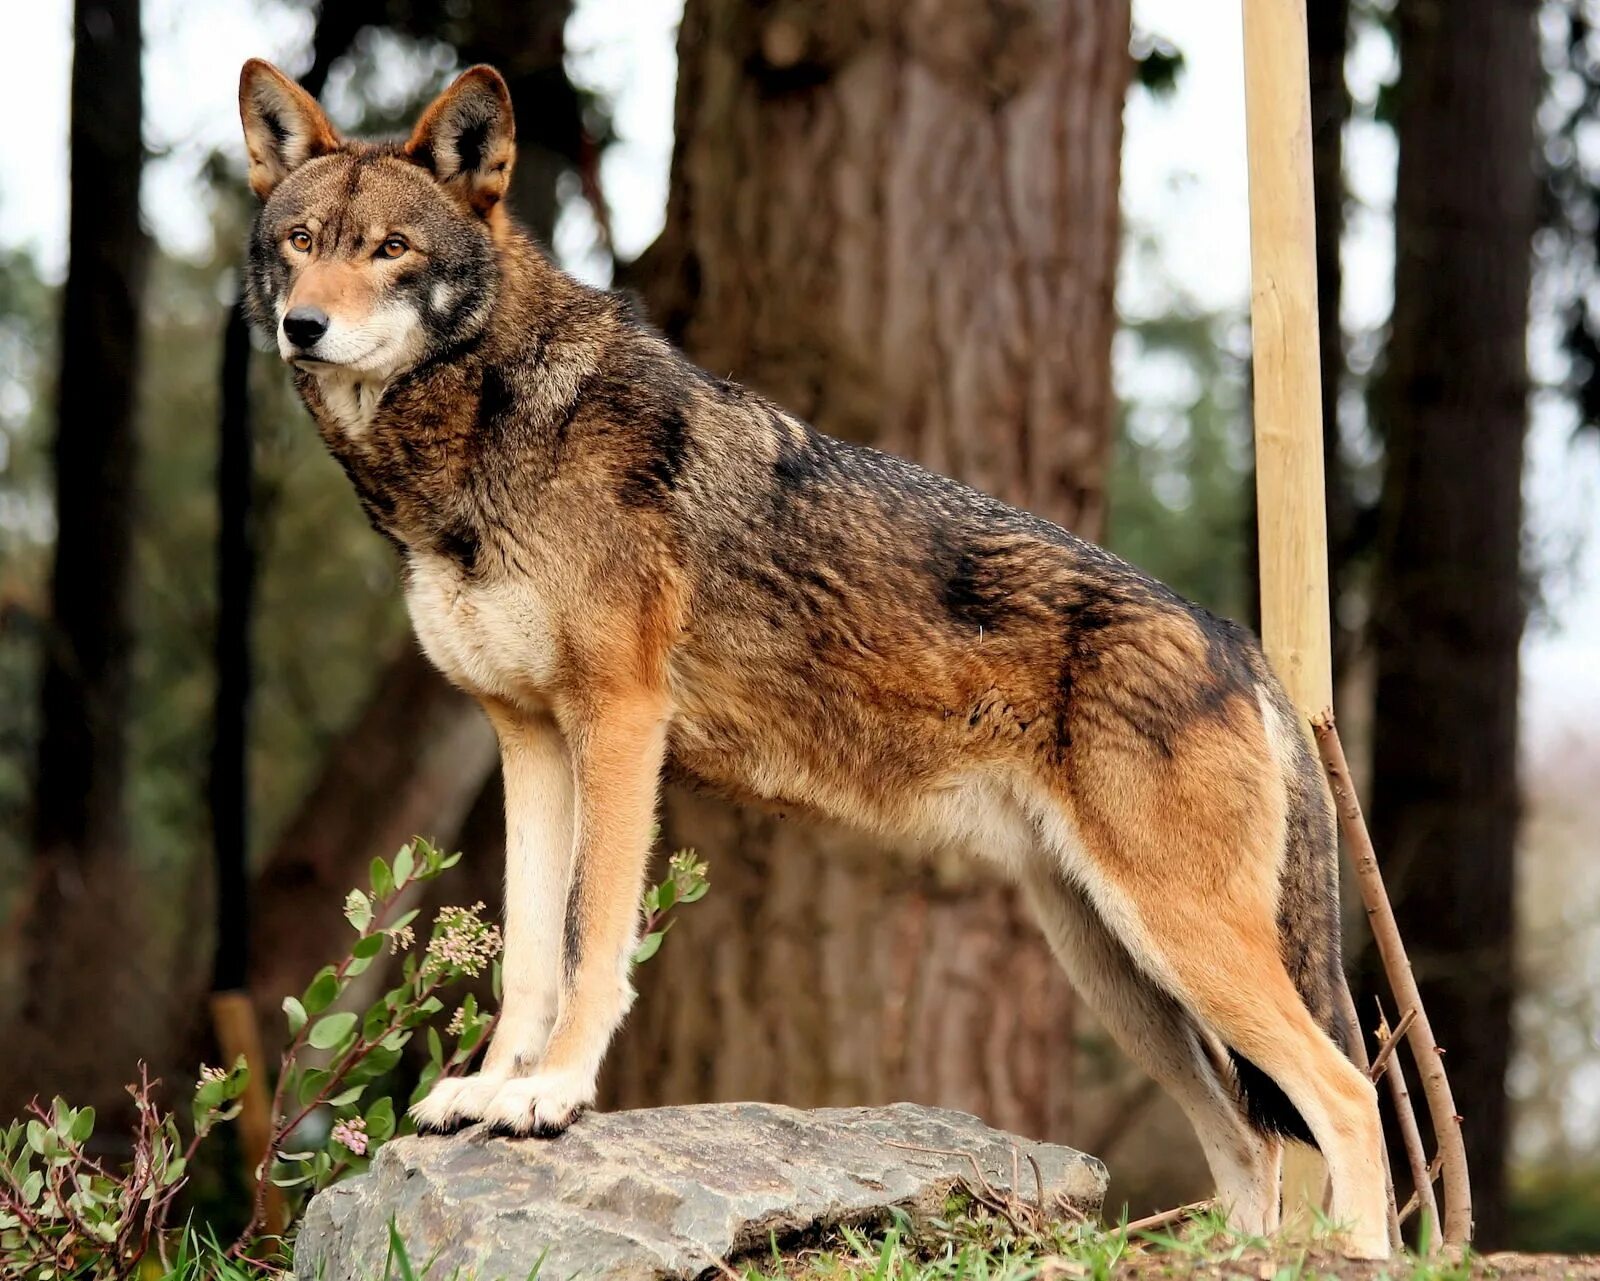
[209, 1074]
[352, 1134]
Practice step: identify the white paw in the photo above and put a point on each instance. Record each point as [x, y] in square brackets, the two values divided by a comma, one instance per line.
[545, 1103]
[456, 1101]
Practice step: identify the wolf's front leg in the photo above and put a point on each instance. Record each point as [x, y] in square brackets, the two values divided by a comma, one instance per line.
[539, 802]
[617, 752]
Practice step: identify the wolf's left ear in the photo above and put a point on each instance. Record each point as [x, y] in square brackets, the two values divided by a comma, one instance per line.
[283, 125]
[468, 138]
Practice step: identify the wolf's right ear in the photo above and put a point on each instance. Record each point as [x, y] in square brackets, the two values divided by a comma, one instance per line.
[283, 125]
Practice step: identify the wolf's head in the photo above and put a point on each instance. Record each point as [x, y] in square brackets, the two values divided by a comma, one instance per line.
[370, 258]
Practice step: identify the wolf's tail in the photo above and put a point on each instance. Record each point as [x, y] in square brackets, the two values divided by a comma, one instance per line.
[1308, 925]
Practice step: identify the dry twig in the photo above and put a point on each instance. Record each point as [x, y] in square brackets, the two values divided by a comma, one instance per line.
[1386, 936]
[1391, 1042]
[1167, 1217]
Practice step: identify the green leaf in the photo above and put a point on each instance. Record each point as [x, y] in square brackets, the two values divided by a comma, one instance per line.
[648, 947]
[449, 861]
[82, 1127]
[296, 1014]
[346, 1097]
[310, 1083]
[380, 1119]
[368, 947]
[319, 996]
[331, 1029]
[237, 1080]
[358, 911]
[381, 1060]
[404, 862]
[403, 920]
[209, 1095]
[667, 893]
[494, 980]
[382, 879]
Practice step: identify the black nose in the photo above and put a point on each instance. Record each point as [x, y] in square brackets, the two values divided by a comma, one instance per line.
[304, 325]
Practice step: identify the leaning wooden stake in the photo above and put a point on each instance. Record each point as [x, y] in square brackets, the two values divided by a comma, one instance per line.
[1386, 937]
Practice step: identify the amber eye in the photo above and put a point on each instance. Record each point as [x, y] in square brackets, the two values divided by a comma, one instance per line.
[392, 247]
[300, 240]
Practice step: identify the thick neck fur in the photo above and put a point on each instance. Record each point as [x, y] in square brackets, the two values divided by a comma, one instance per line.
[433, 450]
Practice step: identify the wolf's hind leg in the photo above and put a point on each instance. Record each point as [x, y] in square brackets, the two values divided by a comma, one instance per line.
[1158, 1034]
[539, 814]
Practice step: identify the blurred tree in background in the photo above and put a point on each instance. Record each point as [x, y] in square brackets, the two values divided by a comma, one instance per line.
[1450, 599]
[81, 883]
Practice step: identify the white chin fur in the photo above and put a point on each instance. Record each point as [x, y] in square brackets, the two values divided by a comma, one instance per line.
[387, 343]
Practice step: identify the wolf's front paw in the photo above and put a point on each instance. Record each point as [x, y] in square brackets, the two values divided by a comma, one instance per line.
[544, 1104]
[455, 1102]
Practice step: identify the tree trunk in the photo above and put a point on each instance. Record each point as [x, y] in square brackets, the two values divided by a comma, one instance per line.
[1449, 608]
[901, 222]
[80, 892]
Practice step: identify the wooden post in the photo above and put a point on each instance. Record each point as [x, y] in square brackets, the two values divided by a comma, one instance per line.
[1288, 380]
[1290, 499]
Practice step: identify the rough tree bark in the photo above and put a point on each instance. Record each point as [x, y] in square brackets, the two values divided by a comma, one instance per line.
[1449, 607]
[900, 221]
[80, 894]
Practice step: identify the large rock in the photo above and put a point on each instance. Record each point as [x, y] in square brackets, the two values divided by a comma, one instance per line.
[664, 1192]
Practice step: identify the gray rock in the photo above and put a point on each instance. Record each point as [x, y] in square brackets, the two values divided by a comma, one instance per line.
[665, 1192]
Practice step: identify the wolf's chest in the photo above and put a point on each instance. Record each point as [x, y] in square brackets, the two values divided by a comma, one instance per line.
[494, 639]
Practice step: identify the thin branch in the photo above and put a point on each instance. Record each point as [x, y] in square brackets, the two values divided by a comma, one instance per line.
[1415, 1200]
[1391, 1042]
[1386, 936]
[1168, 1217]
[1406, 1118]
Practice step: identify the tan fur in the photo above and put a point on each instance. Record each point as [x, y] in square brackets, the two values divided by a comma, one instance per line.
[638, 569]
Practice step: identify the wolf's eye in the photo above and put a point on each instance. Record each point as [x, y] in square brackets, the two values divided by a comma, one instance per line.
[392, 247]
[300, 240]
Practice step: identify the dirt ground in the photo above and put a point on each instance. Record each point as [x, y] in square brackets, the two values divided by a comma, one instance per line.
[1260, 1266]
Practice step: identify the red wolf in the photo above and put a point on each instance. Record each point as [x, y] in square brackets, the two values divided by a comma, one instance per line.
[635, 566]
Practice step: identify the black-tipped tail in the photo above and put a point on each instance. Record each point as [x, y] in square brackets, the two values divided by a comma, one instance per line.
[1266, 1106]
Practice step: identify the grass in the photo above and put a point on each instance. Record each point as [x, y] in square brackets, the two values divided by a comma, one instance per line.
[968, 1242]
